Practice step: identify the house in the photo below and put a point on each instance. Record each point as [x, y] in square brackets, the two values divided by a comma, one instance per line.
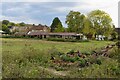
[42, 31]
[12, 28]
[37, 34]
[30, 30]
[18, 29]
[39, 28]
[54, 35]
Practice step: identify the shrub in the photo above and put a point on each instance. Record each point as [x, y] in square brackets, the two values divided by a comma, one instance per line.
[98, 61]
[82, 63]
[114, 53]
[55, 53]
[71, 52]
[87, 52]
[68, 59]
[118, 44]
[66, 40]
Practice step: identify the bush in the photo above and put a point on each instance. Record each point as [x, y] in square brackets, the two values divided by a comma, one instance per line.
[82, 63]
[98, 61]
[66, 40]
[87, 52]
[68, 59]
[71, 52]
[55, 53]
[118, 44]
[114, 53]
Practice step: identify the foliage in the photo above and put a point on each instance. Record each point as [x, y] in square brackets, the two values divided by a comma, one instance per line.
[22, 24]
[114, 53]
[88, 28]
[11, 24]
[5, 28]
[31, 59]
[66, 40]
[56, 25]
[75, 20]
[102, 22]
[98, 61]
[5, 22]
[82, 63]
[114, 35]
[105, 70]
[66, 58]
[59, 28]
[71, 52]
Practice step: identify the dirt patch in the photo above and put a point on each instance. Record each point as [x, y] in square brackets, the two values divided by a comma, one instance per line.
[54, 72]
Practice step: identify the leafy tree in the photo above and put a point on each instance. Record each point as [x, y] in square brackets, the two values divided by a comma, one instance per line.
[17, 25]
[12, 24]
[88, 28]
[56, 25]
[5, 28]
[102, 22]
[22, 24]
[6, 22]
[59, 28]
[114, 35]
[75, 20]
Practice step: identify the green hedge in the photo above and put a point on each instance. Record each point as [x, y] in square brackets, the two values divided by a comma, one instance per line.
[66, 40]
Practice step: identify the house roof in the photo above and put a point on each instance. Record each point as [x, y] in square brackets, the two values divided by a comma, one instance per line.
[39, 27]
[57, 34]
[37, 33]
[20, 33]
[64, 34]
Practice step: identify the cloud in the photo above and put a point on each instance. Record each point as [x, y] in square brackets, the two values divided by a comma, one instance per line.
[43, 11]
[27, 0]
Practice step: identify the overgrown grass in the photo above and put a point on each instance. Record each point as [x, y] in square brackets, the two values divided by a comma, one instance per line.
[29, 58]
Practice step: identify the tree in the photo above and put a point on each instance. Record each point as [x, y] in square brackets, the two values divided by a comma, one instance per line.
[5, 28]
[74, 20]
[22, 24]
[88, 29]
[12, 24]
[6, 22]
[102, 22]
[56, 25]
[59, 28]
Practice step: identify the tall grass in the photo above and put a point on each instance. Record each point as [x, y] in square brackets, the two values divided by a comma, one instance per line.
[30, 58]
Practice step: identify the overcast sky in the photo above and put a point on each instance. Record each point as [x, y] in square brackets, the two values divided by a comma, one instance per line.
[44, 11]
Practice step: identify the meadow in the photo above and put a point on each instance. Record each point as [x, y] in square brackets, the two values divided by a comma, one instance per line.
[30, 58]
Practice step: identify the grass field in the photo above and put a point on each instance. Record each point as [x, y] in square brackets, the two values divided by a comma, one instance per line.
[30, 58]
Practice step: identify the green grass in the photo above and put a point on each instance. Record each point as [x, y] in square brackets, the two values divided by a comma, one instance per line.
[15, 45]
[30, 58]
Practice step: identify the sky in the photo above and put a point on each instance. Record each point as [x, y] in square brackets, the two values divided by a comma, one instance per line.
[44, 11]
